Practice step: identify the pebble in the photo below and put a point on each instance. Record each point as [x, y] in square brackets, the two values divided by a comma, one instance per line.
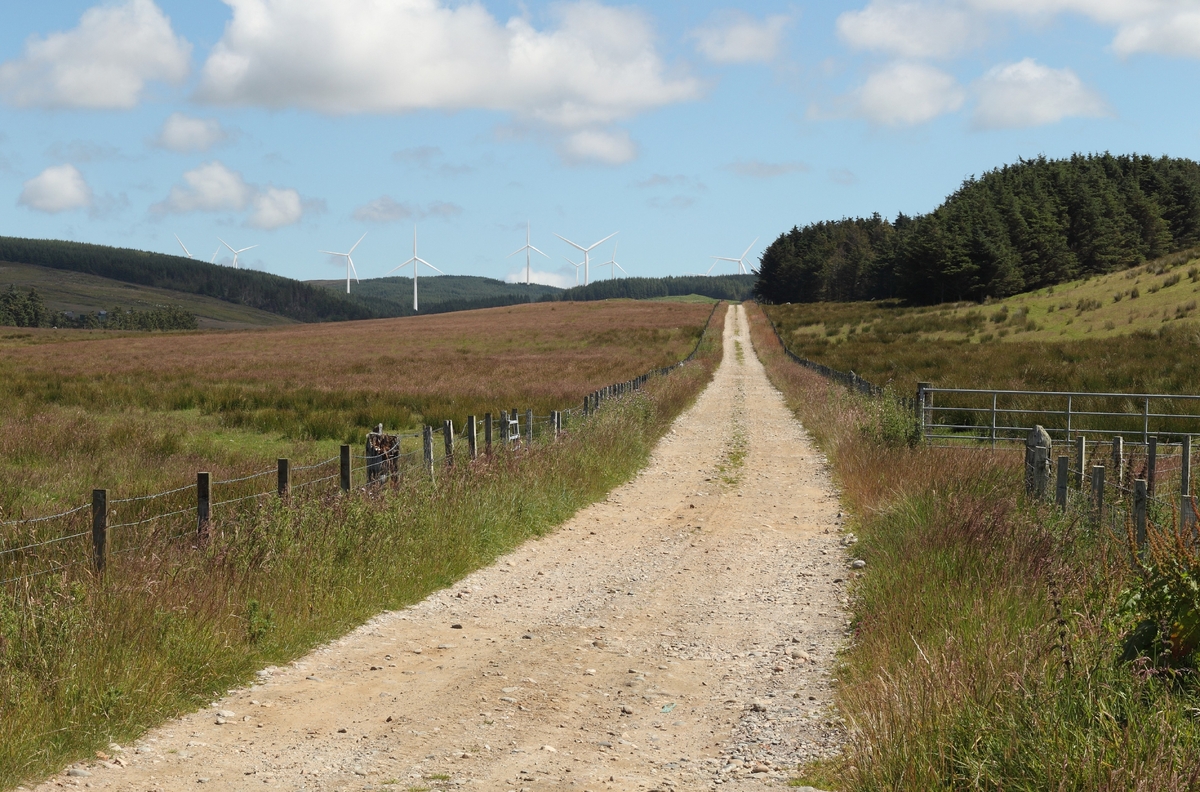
[78, 772]
[590, 672]
[758, 706]
[857, 563]
[626, 709]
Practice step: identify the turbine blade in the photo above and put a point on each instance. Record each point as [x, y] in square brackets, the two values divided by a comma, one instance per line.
[572, 244]
[356, 244]
[618, 266]
[515, 252]
[226, 244]
[180, 241]
[710, 269]
[243, 250]
[435, 269]
[602, 241]
[331, 253]
[535, 250]
[351, 263]
[750, 246]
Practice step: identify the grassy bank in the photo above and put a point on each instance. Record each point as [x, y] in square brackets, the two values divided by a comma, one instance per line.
[988, 631]
[85, 661]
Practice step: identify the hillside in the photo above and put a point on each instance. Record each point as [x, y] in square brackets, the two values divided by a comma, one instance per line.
[78, 292]
[718, 287]
[438, 293]
[1018, 228]
[274, 294]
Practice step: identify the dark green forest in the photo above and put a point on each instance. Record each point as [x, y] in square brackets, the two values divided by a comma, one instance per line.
[439, 293]
[29, 310]
[1021, 227]
[273, 293]
[718, 287]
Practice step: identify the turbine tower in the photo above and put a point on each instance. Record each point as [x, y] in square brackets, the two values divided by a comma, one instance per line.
[587, 251]
[349, 262]
[576, 266]
[235, 252]
[416, 261]
[740, 261]
[215, 252]
[613, 265]
[528, 247]
[185, 250]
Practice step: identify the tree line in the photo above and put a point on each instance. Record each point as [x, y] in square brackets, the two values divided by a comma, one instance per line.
[19, 309]
[1017, 228]
[718, 287]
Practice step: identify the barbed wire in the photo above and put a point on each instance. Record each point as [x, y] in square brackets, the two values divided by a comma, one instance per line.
[47, 518]
[36, 545]
[246, 478]
[118, 501]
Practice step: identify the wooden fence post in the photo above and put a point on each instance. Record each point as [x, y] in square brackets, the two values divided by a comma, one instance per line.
[1151, 464]
[1186, 516]
[920, 408]
[448, 434]
[504, 428]
[428, 438]
[1097, 492]
[472, 438]
[1060, 488]
[1118, 461]
[555, 420]
[203, 503]
[487, 433]
[587, 402]
[285, 479]
[1080, 461]
[1037, 463]
[99, 529]
[529, 427]
[345, 468]
[1139, 511]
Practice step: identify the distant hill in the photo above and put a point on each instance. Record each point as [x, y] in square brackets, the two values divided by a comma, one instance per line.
[273, 294]
[718, 287]
[1021, 227]
[438, 293]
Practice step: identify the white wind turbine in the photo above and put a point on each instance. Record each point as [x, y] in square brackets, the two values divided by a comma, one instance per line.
[349, 262]
[185, 250]
[416, 262]
[528, 247]
[587, 251]
[215, 252]
[613, 265]
[576, 266]
[740, 261]
[235, 252]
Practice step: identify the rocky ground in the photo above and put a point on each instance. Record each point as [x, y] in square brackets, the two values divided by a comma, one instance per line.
[677, 636]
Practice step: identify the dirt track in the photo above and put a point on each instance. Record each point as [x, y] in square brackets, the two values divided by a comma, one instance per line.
[678, 636]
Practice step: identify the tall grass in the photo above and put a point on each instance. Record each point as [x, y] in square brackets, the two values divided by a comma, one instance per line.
[84, 661]
[987, 630]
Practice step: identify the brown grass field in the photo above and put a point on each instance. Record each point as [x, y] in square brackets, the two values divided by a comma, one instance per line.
[140, 413]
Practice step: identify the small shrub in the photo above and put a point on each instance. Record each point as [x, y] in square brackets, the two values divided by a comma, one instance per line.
[1118, 296]
[1194, 273]
[1172, 280]
[1087, 304]
[1001, 315]
[1134, 293]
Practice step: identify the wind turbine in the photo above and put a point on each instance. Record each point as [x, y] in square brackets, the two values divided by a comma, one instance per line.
[576, 266]
[185, 250]
[215, 252]
[349, 262]
[612, 262]
[416, 261]
[235, 252]
[587, 251]
[528, 247]
[740, 261]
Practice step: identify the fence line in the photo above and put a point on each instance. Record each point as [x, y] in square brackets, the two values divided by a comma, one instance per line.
[525, 424]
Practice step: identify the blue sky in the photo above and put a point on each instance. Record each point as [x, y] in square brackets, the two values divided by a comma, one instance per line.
[691, 128]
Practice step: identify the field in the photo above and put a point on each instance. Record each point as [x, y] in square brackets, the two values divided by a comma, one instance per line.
[992, 636]
[64, 290]
[141, 413]
[175, 619]
[1088, 335]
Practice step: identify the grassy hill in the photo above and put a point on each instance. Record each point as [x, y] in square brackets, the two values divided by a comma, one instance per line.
[275, 294]
[718, 287]
[63, 290]
[438, 293]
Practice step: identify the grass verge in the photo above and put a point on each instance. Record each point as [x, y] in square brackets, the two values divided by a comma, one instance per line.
[988, 630]
[84, 662]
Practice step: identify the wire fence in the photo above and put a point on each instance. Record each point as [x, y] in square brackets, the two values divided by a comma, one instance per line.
[86, 537]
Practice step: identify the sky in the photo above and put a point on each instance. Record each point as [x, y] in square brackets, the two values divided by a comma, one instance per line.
[687, 128]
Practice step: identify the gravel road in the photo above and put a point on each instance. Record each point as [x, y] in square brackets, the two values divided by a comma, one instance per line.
[677, 636]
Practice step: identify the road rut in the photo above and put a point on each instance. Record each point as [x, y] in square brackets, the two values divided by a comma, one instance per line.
[678, 635]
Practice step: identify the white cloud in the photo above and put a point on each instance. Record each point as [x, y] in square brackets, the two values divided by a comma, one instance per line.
[737, 37]
[600, 65]
[104, 62]
[911, 29]
[757, 169]
[905, 94]
[186, 135]
[561, 278]
[57, 189]
[212, 187]
[387, 209]
[611, 147]
[1175, 33]
[275, 208]
[1026, 94]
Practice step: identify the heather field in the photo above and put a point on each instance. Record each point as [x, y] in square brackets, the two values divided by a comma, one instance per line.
[137, 413]
[178, 618]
